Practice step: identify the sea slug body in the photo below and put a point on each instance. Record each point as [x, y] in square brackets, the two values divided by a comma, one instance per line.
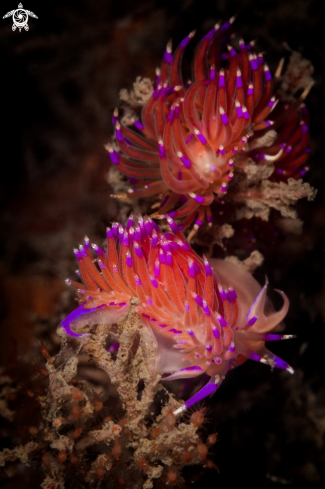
[206, 317]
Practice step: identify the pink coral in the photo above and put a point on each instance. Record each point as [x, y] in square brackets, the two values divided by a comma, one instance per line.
[205, 317]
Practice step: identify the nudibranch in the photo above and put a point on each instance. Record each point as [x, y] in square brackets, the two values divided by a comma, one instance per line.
[193, 137]
[206, 317]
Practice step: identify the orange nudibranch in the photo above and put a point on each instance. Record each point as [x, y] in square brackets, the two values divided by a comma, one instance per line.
[205, 316]
[194, 136]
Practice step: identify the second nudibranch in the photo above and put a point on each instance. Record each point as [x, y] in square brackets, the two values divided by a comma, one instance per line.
[206, 316]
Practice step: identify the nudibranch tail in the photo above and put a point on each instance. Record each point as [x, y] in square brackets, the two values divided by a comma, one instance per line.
[206, 317]
[194, 138]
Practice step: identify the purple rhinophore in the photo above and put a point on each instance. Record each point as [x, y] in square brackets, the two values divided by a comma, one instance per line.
[288, 149]
[198, 300]
[120, 233]
[279, 363]
[239, 111]
[196, 266]
[222, 321]
[112, 304]
[128, 259]
[232, 51]
[222, 293]
[215, 332]
[224, 118]
[303, 172]
[168, 57]
[73, 316]
[206, 309]
[142, 226]
[239, 81]
[161, 150]
[186, 162]
[138, 125]
[251, 321]
[169, 258]
[198, 223]
[187, 307]
[161, 256]
[149, 301]
[173, 226]
[115, 117]
[78, 254]
[137, 234]
[271, 103]
[137, 281]
[221, 80]
[234, 150]
[126, 239]
[250, 90]
[267, 74]
[189, 138]
[201, 138]
[172, 214]
[304, 127]
[175, 331]
[227, 24]
[146, 316]
[162, 325]
[157, 269]
[246, 114]
[119, 135]
[231, 294]
[208, 347]
[169, 91]
[190, 332]
[122, 303]
[148, 225]
[191, 270]
[98, 251]
[130, 222]
[232, 348]
[154, 283]
[209, 219]
[138, 250]
[208, 389]
[198, 198]
[212, 73]
[131, 234]
[194, 368]
[114, 157]
[260, 60]
[185, 41]
[171, 114]
[156, 92]
[164, 244]
[154, 238]
[253, 63]
[276, 337]
[109, 233]
[207, 266]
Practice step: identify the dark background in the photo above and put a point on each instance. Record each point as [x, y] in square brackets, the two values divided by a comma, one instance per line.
[59, 84]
